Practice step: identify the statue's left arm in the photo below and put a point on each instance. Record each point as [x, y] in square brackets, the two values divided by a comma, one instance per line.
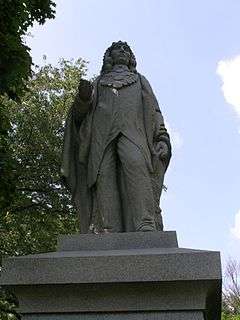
[161, 139]
[161, 144]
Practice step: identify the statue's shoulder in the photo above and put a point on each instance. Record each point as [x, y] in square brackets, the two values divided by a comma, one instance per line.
[142, 77]
[145, 83]
[148, 91]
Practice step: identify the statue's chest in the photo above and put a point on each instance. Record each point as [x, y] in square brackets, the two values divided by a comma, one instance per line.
[125, 98]
[118, 80]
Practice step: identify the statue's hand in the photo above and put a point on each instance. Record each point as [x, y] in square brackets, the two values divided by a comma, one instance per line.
[162, 149]
[85, 89]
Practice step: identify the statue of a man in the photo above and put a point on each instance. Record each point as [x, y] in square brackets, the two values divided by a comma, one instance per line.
[116, 149]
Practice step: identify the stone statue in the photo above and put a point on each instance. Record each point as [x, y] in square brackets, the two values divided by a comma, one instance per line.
[116, 149]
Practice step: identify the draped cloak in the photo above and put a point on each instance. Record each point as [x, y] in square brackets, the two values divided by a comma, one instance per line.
[77, 143]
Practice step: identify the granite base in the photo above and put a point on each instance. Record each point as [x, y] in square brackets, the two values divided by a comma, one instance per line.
[113, 276]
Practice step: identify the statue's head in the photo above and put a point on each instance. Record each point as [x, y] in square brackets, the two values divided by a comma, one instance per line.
[118, 53]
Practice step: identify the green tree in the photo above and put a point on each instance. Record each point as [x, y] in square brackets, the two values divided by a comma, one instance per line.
[231, 291]
[226, 316]
[41, 207]
[15, 60]
[7, 172]
[8, 305]
[15, 68]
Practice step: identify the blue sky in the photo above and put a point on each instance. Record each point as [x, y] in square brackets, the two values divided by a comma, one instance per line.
[190, 53]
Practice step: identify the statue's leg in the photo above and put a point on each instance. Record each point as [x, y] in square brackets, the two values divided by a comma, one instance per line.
[107, 192]
[137, 196]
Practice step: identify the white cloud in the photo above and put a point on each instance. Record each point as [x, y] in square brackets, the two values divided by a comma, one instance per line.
[176, 139]
[235, 231]
[229, 71]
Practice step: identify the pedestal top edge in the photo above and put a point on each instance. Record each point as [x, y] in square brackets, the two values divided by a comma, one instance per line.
[118, 241]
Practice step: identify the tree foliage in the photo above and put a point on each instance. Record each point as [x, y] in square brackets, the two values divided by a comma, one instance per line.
[8, 305]
[15, 60]
[41, 207]
[15, 68]
[7, 163]
[226, 316]
[231, 289]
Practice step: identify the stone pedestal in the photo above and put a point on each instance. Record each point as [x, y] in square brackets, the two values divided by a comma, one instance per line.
[140, 276]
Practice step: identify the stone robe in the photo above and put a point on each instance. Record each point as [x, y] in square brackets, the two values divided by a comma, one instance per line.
[90, 128]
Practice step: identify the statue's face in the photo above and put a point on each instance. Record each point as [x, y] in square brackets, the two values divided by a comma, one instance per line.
[121, 54]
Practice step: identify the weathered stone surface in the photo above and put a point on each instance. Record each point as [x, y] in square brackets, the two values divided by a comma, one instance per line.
[143, 279]
[185, 315]
[155, 264]
[110, 241]
[115, 297]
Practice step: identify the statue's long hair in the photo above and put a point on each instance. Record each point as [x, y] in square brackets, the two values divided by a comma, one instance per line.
[108, 61]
